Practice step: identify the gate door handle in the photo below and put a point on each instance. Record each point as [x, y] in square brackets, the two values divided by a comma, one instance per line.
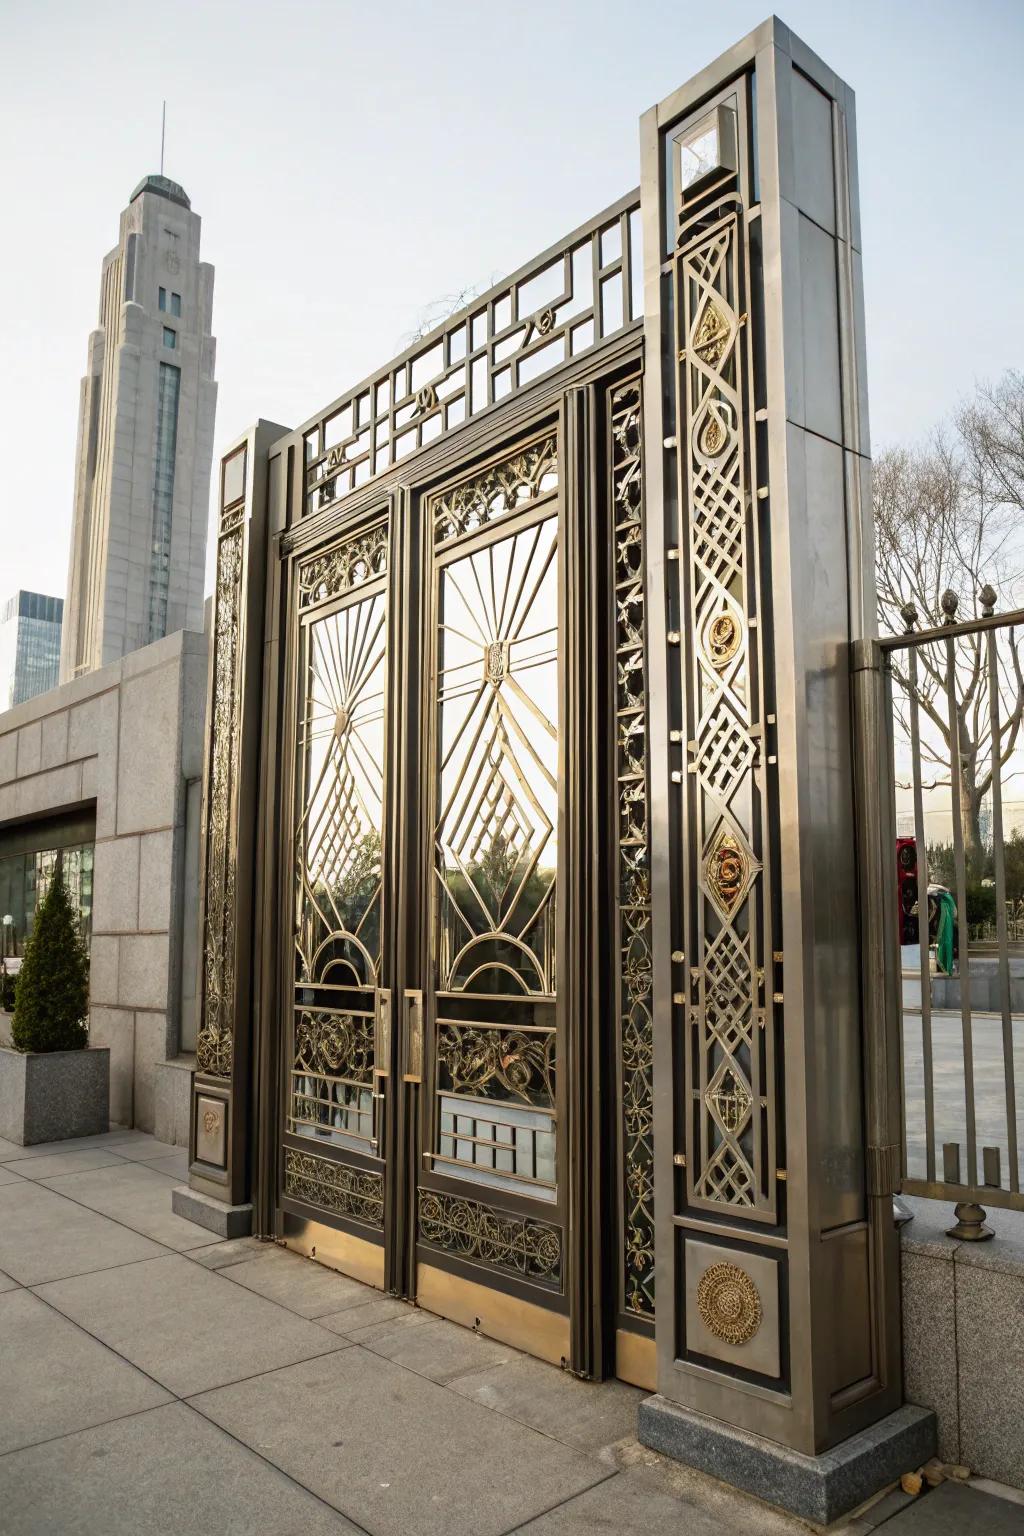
[413, 1037]
[382, 1033]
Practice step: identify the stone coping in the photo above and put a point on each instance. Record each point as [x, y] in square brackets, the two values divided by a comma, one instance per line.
[926, 1235]
[103, 679]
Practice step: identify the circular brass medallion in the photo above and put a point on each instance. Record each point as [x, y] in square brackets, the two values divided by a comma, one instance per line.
[722, 639]
[728, 1302]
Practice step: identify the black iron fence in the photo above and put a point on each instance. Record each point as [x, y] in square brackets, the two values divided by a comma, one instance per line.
[940, 709]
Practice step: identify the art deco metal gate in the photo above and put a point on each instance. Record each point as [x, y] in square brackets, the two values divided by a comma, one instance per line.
[457, 1064]
[530, 781]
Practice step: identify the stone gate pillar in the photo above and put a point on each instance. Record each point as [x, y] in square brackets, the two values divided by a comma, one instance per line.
[777, 1261]
[218, 1195]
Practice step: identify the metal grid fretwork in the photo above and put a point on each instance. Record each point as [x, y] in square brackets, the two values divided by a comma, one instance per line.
[729, 1047]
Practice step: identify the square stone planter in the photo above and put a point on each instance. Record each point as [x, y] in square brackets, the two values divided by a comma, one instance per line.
[51, 1095]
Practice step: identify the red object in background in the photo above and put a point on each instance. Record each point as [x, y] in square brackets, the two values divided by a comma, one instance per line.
[906, 887]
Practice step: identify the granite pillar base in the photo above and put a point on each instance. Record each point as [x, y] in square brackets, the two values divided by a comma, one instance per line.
[818, 1488]
[215, 1215]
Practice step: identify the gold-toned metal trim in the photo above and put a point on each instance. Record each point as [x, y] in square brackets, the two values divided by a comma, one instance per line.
[506, 1318]
[353, 1256]
[636, 1359]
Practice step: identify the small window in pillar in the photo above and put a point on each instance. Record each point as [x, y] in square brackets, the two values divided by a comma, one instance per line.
[170, 337]
[163, 298]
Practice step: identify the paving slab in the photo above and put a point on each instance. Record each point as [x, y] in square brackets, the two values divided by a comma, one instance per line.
[624, 1503]
[367, 1333]
[233, 1250]
[188, 1328]
[55, 1379]
[952, 1509]
[369, 1315]
[8, 1173]
[45, 1237]
[7, 1284]
[301, 1285]
[10, 1151]
[175, 1164]
[698, 1495]
[399, 1455]
[437, 1349]
[168, 1472]
[554, 1402]
[58, 1164]
[140, 1146]
[136, 1196]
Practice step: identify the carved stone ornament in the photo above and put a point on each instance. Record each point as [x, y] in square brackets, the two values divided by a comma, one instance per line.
[211, 1121]
[728, 1303]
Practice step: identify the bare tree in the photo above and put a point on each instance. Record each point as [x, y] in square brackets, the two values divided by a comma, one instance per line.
[948, 519]
[441, 309]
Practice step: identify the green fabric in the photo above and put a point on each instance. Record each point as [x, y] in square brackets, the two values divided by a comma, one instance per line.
[944, 932]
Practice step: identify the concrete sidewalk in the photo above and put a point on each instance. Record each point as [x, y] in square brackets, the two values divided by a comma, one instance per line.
[156, 1380]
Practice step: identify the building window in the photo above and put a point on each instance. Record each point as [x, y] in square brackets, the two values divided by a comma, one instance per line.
[163, 298]
[163, 496]
[176, 304]
[170, 337]
[24, 881]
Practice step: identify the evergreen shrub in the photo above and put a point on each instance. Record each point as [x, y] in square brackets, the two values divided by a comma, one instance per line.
[51, 1006]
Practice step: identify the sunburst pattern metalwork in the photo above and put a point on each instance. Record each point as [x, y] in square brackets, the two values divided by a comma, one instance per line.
[338, 853]
[496, 844]
[636, 1029]
[472, 1230]
[496, 763]
[729, 1078]
[339, 834]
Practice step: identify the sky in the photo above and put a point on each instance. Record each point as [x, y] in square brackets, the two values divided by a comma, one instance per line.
[354, 162]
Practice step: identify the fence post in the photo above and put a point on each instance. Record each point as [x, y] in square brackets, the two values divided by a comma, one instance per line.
[880, 978]
[881, 997]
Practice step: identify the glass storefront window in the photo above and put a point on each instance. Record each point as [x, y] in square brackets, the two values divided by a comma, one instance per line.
[24, 881]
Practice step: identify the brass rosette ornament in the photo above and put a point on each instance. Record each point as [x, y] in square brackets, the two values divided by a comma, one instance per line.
[728, 1303]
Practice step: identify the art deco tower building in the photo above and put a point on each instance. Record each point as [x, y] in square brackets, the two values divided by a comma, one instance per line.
[145, 439]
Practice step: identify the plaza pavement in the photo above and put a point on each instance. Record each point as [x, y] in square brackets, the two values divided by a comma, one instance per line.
[154, 1380]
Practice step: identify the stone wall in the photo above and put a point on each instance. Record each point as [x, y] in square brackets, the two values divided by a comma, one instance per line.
[963, 1337]
[129, 740]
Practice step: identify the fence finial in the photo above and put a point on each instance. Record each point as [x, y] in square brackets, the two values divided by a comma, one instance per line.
[987, 599]
[908, 613]
[948, 602]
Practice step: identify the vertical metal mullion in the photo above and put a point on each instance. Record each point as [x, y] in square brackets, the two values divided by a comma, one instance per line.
[922, 917]
[1002, 937]
[963, 945]
[693, 1124]
[627, 269]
